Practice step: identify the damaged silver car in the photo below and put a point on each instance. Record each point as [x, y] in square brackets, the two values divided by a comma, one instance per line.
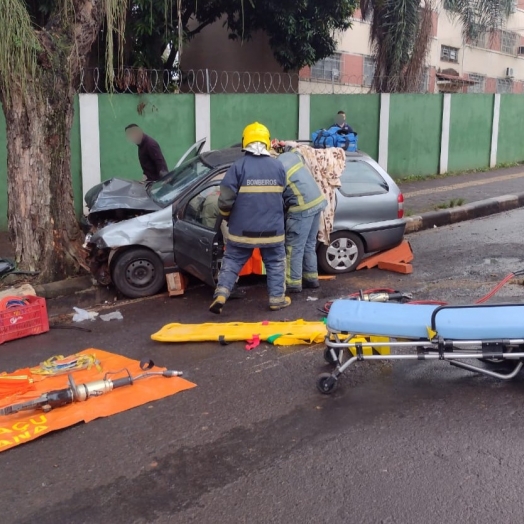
[138, 233]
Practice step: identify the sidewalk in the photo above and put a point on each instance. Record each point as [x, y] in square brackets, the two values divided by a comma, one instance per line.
[423, 196]
[429, 195]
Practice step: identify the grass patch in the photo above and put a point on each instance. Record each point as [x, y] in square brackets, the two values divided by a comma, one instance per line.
[416, 178]
[454, 202]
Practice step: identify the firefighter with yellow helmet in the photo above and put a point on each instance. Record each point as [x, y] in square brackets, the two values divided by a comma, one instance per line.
[252, 201]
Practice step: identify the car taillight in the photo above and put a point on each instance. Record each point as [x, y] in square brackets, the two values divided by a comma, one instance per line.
[400, 201]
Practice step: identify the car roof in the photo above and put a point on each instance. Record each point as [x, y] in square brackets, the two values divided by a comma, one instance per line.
[221, 157]
[228, 155]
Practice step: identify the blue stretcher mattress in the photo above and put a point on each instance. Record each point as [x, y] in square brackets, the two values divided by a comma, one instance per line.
[412, 321]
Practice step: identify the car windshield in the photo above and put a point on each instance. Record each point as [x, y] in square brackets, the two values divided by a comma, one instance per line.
[165, 191]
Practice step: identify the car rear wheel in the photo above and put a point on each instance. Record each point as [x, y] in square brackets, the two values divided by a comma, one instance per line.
[138, 272]
[343, 254]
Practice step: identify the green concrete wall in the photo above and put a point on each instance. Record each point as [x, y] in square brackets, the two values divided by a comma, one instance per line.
[230, 113]
[169, 119]
[76, 162]
[362, 113]
[3, 173]
[415, 127]
[470, 131]
[510, 146]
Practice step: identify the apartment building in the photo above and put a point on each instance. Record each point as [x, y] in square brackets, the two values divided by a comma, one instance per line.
[491, 64]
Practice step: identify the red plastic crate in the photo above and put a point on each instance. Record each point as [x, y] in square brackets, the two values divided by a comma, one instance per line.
[23, 321]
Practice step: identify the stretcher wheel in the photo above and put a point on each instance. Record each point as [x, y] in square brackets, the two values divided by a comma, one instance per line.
[328, 357]
[326, 383]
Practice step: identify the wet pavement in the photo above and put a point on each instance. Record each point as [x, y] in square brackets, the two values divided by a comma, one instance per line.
[255, 443]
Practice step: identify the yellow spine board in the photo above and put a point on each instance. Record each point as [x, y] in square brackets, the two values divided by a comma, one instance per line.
[367, 345]
[291, 333]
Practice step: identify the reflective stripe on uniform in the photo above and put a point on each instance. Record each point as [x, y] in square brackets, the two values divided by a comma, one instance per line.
[309, 205]
[289, 281]
[261, 189]
[290, 172]
[256, 240]
[310, 276]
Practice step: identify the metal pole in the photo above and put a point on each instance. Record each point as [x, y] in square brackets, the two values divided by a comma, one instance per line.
[207, 81]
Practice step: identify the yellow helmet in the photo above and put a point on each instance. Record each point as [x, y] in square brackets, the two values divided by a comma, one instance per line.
[256, 133]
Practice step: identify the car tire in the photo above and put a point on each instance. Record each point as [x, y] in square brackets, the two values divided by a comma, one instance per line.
[342, 255]
[138, 272]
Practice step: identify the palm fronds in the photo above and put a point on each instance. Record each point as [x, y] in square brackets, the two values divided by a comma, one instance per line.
[401, 35]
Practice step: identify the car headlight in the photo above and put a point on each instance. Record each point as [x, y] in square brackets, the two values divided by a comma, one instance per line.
[87, 240]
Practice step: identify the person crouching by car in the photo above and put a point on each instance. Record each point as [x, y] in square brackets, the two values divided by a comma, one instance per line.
[252, 201]
[306, 203]
[150, 155]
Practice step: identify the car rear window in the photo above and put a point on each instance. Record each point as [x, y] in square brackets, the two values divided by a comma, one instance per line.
[360, 179]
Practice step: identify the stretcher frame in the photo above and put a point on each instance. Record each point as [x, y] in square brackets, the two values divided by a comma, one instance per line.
[493, 351]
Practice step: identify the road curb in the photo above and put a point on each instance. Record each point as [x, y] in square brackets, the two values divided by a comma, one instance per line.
[82, 292]
[481, 208]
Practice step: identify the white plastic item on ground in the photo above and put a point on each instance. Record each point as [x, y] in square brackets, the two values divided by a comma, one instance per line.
[114, 315]
[20, 291]
[81, 315]
[311, 299]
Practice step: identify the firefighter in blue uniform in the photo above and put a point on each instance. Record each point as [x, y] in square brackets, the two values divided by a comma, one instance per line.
[252, 201]
[305, 203]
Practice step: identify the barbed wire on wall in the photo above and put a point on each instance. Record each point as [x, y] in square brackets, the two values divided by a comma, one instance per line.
[209, 81]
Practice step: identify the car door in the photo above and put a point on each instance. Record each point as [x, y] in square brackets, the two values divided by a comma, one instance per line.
[192, 152]
[198, 242]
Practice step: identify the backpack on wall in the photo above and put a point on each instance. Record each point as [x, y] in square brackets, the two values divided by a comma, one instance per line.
[332, 137]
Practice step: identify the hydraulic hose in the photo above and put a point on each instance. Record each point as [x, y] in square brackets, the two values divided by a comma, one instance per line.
[398, 296]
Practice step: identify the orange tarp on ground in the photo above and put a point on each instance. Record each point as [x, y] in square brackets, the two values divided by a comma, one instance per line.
[28, 425]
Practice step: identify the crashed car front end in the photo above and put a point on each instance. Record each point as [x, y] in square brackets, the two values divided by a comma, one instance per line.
[121, 215]
[153, 231]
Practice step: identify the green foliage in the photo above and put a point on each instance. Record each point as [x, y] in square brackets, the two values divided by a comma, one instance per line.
[479, 16]
[300, 32]
[18, 45]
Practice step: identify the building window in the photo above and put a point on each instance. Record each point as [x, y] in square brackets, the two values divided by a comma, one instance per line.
[479, 85]
[328, 69]
[504, 85]
[369, 71]
[508, 42]
[449, 54]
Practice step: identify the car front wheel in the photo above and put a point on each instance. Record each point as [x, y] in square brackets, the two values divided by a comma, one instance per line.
[342, 255]
[138, 272]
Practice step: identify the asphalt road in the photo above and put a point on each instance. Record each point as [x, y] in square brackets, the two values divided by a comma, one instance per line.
[255, 443]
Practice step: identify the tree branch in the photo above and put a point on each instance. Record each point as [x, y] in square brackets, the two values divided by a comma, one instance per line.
[191, 34]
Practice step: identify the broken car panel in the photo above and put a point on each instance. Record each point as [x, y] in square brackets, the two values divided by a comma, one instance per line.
[137, 232]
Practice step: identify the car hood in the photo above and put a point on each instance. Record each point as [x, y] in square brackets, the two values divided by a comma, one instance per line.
[117, 193]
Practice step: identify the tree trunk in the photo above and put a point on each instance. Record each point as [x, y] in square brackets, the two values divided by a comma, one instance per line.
[41, 218]
[39, 116]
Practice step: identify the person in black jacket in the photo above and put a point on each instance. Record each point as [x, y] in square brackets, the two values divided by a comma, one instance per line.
[252, 201]
[150, 155]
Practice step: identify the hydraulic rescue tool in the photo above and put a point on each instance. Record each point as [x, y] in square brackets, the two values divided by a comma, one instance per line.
[80, 392]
